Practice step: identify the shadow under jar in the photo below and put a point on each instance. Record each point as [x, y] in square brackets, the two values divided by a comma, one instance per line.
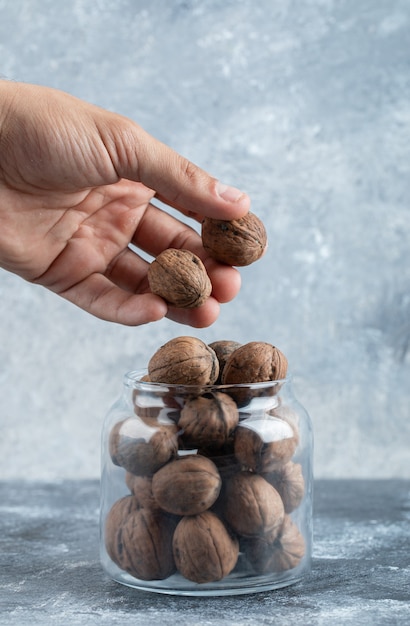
[206, 491]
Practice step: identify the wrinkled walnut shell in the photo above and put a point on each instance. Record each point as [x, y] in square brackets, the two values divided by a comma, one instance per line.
[141, 448]
[255, 362]
[142, 544]
[180, 278]
[223, 350]
[141, 489]
[262, 444]
[208, 422]
[236, 242]
[184, 361]
[252, 506]
[187, 486]
[276, 554]
[114, 519]
[204, 551]
[289, 483]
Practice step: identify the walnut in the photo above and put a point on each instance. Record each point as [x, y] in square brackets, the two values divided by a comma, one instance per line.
[187, 486]
[208, 421]
[180, 278]
[223, 350]
[141, 544]
[277, 553]
[141, 489]
[115, 517]
[289, 483]
[142, 448]
[252, 506]
[236, 242]
[204, 551]
[254, 362]
[184, 361]
[261, 444]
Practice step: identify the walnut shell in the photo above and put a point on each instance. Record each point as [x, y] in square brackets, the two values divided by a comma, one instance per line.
[204, 551]
[236, 242]
[141, 489]
[141, 448]
[254, 362]
[252, 506]
[180, 278]
[208, 421]
[223, 350]
[142, 544]
[262, 444]
[288, 481]
[187, 486]
[184, 361]
[276, 554]
[114, 519]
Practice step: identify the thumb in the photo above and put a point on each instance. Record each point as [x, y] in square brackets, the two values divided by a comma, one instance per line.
[178, 182]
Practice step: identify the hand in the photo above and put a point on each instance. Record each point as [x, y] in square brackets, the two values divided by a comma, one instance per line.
[76, 185]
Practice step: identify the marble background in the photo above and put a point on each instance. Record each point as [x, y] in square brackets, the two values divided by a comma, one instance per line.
[306, 106]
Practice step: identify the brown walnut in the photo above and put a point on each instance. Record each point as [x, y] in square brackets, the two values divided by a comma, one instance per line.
[254, 362]
[208, 422]
[187, 486]
[184, 361]
[114, 519]
[141, 489]
[262, 444]
[223, 350]
[278, 553]
[142, 448]
[252, 506]
[204, 550]
[288, 481]
[142, 544]
[180, 278]
[235, 242]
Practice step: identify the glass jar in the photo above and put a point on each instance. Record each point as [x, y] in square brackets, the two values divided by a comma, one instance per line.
[206, 490]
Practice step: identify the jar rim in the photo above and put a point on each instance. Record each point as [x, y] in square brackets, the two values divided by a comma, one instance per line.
[133, 378]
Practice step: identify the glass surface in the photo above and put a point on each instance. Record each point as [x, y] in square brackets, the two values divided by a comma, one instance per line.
[206, 490]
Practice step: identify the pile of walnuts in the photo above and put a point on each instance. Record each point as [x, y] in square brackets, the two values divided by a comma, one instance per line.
[212, 482]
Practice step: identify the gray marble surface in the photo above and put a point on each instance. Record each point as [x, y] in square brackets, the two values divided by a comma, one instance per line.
[50, 571]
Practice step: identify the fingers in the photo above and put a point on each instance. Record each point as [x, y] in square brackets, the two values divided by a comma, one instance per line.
[201, 317]
[226, 280]
[178, 182]
[158, 230]
[122, 294]
[129, 272]
[100, 297]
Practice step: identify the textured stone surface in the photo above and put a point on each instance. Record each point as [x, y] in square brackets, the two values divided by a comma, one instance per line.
[307, 107]
[50, 571]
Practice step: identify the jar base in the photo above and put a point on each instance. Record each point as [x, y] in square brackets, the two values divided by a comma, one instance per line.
[178, 586]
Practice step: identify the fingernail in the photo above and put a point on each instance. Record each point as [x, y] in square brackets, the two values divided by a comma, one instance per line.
[230, 194]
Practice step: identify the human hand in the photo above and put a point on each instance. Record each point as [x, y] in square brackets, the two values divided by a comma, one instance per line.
[76, 185]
